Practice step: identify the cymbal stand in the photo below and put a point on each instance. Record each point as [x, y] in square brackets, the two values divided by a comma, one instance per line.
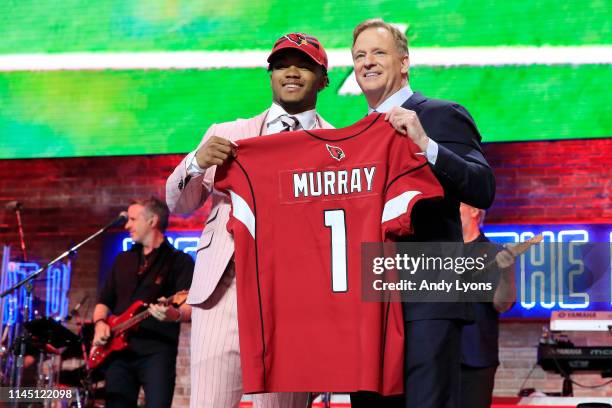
[22, 339]
[45, 376]
[86, 382]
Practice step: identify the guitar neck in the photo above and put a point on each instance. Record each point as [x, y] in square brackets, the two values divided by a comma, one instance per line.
[522, 247]
[132, 321]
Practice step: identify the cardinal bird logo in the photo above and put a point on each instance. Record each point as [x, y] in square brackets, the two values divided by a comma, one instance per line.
[335, 152]
[298, 39]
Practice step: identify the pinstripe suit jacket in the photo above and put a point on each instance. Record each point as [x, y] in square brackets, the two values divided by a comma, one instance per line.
[185, 194]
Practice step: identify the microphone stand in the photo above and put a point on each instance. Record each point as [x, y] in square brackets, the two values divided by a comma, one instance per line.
[17, 371]
[20, 229]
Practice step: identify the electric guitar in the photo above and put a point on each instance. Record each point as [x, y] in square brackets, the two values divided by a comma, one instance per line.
[515, 250]
[522, 247]
[125, 323]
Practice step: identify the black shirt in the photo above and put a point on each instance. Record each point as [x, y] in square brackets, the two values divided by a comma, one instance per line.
[165, 272]
[479, 340]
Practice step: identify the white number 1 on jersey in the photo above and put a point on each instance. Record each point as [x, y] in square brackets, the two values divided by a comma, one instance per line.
[335, 220]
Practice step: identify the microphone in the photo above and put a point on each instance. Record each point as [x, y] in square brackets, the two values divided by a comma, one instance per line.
[120, 219]
[75, 309]
[13, 205]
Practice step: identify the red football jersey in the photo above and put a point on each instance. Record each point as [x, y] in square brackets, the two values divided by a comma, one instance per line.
[302, 204]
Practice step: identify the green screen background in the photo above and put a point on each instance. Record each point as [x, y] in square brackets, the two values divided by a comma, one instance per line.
[91, 113]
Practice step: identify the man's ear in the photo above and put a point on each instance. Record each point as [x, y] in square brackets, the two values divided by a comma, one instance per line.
[154, 220]
[474, 212]
[323, 82]
[405, 64]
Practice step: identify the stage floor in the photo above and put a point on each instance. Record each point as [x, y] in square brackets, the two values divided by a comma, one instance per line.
[343, 401]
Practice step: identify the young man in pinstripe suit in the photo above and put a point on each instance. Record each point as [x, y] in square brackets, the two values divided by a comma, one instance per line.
[298, 71]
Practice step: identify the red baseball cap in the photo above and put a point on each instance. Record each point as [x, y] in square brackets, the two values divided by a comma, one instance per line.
[302, 42]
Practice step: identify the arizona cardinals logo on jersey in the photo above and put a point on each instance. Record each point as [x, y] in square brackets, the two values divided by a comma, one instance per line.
[335, 152]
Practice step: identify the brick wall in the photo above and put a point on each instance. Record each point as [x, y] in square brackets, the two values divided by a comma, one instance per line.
[65, 200]
[558, 181]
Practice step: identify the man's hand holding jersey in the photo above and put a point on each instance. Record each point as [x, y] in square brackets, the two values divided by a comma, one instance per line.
[215, 152]
[407, 122]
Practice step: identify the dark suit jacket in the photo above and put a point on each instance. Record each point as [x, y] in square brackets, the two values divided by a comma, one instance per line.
[465, 176]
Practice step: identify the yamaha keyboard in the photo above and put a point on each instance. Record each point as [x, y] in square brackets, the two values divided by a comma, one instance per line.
[562, 358]
[581, 321]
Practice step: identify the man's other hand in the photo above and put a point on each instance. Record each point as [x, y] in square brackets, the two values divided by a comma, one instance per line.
[407, 122]
[164, 313]
[215, 152]
[102, 333]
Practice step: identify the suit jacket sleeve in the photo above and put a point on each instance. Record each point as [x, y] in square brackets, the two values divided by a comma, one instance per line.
[185, 193]
[460, 166]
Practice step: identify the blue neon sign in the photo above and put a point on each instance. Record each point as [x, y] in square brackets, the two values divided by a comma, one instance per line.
[50, 298]
[556, 276]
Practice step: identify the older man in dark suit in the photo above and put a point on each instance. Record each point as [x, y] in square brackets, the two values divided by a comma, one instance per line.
[448, 137]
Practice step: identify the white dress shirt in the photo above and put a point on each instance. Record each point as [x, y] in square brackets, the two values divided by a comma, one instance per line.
[273, 124]
[397, 99]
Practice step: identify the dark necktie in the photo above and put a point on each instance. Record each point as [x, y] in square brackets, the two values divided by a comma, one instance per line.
[290, 123]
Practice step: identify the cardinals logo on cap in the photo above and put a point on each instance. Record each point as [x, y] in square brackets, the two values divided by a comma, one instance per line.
[335, 152]
[298, 39]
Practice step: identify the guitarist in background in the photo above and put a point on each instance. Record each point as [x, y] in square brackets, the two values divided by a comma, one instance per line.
[479, 340]
[151, 269]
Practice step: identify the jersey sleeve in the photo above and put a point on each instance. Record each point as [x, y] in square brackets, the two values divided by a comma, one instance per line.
[232, 179]
[409, 180]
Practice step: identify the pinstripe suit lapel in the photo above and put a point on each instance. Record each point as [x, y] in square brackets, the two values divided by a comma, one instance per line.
[258, 124]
